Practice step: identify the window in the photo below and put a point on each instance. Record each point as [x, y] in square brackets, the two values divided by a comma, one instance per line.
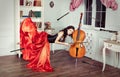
[88, 12]
[100, 14]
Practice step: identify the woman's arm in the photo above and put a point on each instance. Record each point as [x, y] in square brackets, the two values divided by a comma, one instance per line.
[60, 35]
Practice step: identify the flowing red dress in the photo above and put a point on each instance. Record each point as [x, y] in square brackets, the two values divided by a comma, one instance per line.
[36, 47]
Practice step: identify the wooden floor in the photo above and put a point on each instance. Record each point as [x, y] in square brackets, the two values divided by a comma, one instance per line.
[63, 64]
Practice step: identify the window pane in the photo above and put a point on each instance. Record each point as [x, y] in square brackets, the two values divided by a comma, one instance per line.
[88, 12]
[100, 14]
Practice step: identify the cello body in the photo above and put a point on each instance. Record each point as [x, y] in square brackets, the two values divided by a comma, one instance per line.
[77, 49]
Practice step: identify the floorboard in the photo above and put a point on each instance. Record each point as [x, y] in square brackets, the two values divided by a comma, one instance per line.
[64, 66]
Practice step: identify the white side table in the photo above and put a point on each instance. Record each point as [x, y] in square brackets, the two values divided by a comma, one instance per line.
[113, 46]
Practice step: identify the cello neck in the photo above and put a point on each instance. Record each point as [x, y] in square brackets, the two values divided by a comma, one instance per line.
[80, 20]
[78, 35]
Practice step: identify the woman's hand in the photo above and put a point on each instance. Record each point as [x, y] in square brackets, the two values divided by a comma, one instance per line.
[67, 44]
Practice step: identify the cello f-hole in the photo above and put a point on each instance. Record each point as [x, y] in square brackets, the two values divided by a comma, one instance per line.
[76, 52]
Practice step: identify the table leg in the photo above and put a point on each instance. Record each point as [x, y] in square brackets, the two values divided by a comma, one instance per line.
[117, 59]
[104, 58]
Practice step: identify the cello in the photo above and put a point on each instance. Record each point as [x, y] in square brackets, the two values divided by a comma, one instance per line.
[77, 49]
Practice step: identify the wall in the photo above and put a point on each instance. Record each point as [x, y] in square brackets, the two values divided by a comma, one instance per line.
[113, 18]
[60, 8]
[6, 27]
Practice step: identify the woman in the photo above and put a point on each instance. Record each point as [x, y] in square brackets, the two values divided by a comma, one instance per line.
[36, 45]
[60, 37]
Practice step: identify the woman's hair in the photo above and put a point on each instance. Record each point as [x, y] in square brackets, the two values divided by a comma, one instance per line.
[65, 31]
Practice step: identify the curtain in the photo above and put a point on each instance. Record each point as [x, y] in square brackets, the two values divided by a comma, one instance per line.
[110, 4]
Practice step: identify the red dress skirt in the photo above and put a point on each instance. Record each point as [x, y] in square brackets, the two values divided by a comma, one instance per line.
[36, 47]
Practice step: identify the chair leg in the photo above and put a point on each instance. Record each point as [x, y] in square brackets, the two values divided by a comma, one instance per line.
[53, 47]
[19, 54]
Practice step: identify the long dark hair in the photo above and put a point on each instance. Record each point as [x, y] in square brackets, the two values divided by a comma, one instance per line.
[65, 31]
